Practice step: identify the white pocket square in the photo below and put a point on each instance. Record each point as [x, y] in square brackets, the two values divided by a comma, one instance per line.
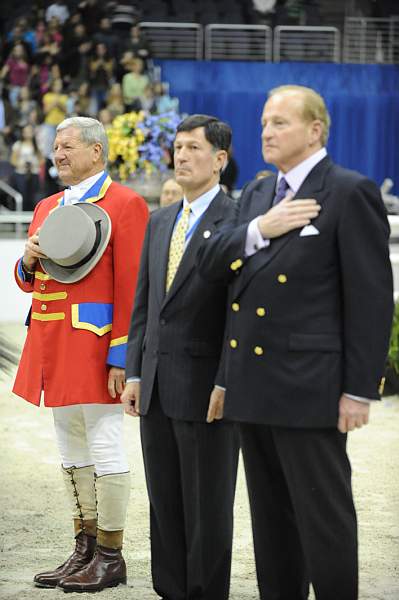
[309, 230]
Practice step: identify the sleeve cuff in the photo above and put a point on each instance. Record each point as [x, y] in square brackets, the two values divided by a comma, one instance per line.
[24, 275]
[359, 398]
[117, 353]
[254, 240]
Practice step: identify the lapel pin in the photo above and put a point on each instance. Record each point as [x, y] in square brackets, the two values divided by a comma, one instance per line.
[207, 234]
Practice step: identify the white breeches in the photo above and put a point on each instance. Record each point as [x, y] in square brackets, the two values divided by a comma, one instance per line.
[91, 434]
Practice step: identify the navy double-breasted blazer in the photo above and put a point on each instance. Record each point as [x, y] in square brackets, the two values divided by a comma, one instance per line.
[310, 316]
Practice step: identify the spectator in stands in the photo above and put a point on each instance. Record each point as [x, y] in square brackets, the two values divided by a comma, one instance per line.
[15, 72]
[105, 117]
[147, 100]
[68, 28]
[171, 192]
[137, 44]
[54, 104]
[229, 174]
[82, 106]
[42, 73]
[134, 84]
[92, 12]
[291, 12]
[54, 28]
[76, 50]
[27, 34]
[101, 75]
[105, 35]
[25, 106]
[48, 46]
[262, 12]
[58, 9]
[26, 160]
[123, 65]
[16, 35]
[115, 104]
[163, 101]
[7, 123]
[41, 28]
[55, 111]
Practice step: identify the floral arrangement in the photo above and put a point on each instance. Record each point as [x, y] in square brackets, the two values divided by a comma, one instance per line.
[140, 142]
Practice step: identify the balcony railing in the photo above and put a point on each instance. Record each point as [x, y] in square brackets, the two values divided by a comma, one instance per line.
[371, 40]
[364, 41]
[174, 40]
[312, 44]
[238, 42]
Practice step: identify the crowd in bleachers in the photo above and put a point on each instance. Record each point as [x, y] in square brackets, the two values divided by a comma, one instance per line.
[62, 61]
[62, 58]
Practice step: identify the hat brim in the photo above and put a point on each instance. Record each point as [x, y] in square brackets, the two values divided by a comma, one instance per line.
[64, 275]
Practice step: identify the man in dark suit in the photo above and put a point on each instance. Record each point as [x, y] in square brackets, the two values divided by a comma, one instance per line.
[174, 347]
[308, 331]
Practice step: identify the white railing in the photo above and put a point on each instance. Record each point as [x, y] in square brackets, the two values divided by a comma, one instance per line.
[313, 44]
[174, 40]
[18, 199]
[371, 40]
[238, 42]
[15, 195]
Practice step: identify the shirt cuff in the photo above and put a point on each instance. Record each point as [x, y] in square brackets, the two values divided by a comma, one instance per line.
[254, 240]
[358, 398]
[220, 387]
[133, 379]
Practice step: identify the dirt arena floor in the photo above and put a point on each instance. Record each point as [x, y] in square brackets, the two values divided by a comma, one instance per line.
[36, 533]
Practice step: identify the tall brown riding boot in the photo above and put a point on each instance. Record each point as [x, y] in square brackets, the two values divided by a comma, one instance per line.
[108, 568]
[80, 488]
[84, 551]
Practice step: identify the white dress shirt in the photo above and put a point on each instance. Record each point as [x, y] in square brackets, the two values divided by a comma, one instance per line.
[74, 193]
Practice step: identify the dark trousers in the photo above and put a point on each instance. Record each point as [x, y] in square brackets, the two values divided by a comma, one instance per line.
[303, 517]
[191, 475]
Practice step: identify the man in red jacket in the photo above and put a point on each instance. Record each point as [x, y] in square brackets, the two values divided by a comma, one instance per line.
[75, 348]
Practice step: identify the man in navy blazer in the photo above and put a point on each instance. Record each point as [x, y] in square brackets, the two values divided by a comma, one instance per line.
[311, 305]
[174, 380]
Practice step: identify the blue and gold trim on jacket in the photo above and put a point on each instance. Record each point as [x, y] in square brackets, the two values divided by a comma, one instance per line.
[21, 273]
[97, 190]
[117, 352]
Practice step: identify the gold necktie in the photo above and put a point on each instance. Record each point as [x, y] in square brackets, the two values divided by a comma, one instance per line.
[176, 248]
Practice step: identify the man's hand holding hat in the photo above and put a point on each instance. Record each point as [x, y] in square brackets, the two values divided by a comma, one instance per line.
[32, 252]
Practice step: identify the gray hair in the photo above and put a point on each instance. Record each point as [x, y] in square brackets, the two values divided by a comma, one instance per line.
[91, 132]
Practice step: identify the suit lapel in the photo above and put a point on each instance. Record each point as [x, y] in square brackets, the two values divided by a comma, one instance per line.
[162, 242]
[311, 187]
[260, 200]
[209, 219]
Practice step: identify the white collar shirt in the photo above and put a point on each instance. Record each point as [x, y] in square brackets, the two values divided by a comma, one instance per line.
[74, 193]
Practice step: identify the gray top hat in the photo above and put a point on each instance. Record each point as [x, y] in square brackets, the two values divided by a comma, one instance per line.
[74, 237]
